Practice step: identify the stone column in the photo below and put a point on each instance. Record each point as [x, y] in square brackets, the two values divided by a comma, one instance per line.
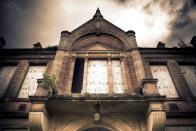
[69, 83]
[84, 87]
[17, 80]
[124, 80]
[178, 78]
[38, 118]
[110, 79]
[139, 68]
[156, 117]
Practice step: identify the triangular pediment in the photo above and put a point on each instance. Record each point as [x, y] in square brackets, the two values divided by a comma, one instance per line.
[97, 47]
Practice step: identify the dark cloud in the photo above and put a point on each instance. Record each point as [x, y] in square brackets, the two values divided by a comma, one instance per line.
[16, 17]
[24, 23]
[183, 27]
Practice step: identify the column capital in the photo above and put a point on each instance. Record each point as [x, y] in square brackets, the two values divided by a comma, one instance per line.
[156, 117]
[38, 117]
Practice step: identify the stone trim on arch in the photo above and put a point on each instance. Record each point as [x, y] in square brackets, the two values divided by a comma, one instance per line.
[104, 39]
[111, 124]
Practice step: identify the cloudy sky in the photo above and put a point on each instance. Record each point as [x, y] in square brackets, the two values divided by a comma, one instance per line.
[25, 22]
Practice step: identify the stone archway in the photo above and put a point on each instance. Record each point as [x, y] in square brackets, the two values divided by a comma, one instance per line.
[97, 129]
[107, 123]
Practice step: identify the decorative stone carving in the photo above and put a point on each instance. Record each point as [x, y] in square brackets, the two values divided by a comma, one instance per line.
[38, 118]
[156, 121]
[156, 117]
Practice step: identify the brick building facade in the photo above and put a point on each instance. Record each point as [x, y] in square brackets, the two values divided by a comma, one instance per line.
[105, 83]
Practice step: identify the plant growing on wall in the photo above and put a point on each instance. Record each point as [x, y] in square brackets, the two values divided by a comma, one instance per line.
[49, 82]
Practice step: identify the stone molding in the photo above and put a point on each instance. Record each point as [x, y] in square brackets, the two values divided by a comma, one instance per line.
[149, 87]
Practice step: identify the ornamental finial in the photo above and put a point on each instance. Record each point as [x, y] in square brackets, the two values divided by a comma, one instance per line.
[98, 14]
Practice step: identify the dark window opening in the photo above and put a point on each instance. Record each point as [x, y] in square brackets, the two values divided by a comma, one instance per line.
[78, 76]
[173, 107]
[22, 107]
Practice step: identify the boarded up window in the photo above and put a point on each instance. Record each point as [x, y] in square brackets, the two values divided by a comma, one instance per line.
[6, 73]
[181, 128]
[117, 77]
[30, 83]
[165, 84]
[97, 82]
[189, 72]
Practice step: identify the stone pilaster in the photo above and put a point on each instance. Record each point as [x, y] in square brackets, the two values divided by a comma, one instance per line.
[178, 78]
[110, 79]
[58, 61]
[147, 70]
[64, 74]
[84, 87]
[49, 67]
[38, 118]
[156, 117]
[139, 68]
[69, 83]
[130, 74]
[17, 80]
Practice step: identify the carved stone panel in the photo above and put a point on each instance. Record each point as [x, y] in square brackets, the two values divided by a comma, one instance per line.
[189, 72]
[117, 77]
[97, 82]
[30, 83]
[6, 73]
[165, 84]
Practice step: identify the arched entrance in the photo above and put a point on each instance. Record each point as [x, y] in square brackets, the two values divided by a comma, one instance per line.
[97, 129]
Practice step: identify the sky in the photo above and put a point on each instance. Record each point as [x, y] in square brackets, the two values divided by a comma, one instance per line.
[26, 22]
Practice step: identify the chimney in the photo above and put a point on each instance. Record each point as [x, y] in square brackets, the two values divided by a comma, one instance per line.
[37, 45]
[160, 45]
[193, 41]
[2, 42]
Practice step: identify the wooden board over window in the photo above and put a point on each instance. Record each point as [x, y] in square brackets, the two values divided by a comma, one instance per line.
[97, 77]
[165, 84]
[30, 83]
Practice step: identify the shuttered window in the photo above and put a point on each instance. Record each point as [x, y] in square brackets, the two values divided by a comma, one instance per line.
[189, 72]
[30, 83]
[6, 73]
[165, 84]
